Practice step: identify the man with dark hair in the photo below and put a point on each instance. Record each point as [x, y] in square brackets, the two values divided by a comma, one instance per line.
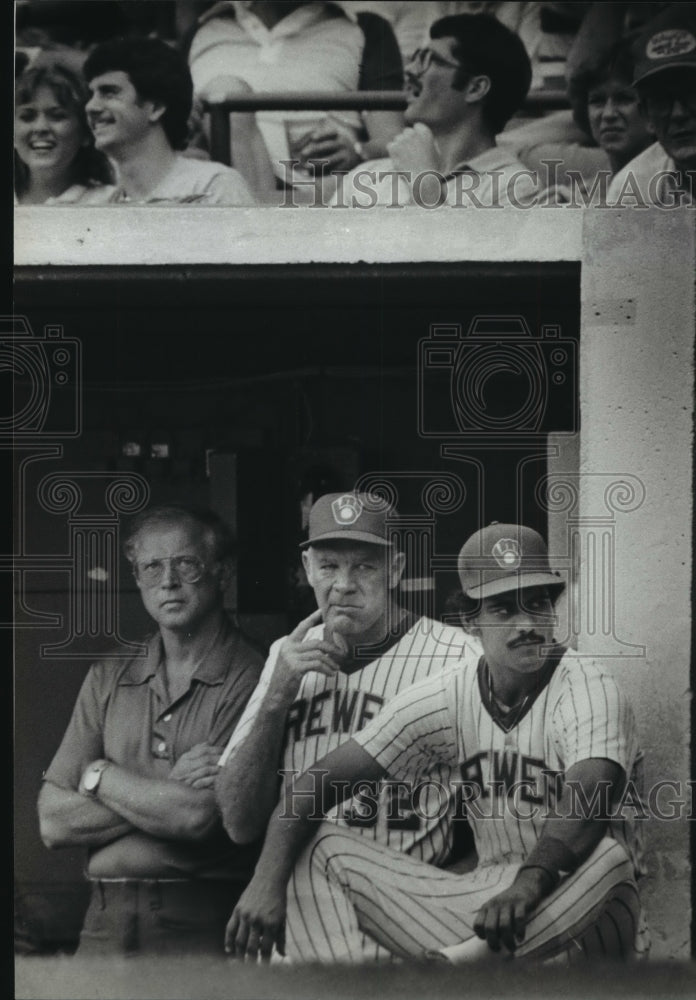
[542, 745]
[665, 77]
[462, 90]
[141, 100]
[132, 780]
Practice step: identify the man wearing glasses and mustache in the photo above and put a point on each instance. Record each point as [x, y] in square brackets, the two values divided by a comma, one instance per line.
[462, 90]
[132, 780]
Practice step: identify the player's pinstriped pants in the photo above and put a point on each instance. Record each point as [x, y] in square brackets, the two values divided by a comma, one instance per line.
[346, 886]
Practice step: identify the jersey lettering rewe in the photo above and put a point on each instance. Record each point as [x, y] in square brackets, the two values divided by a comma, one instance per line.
[346, 891]
[510, 780]
[329, 711]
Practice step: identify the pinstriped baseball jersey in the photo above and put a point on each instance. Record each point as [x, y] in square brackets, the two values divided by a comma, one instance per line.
[507, 772]
[328, 711]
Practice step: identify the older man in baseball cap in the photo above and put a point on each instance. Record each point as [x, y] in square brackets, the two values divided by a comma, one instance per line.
[326, 681]
[665, 76]
[542, 744]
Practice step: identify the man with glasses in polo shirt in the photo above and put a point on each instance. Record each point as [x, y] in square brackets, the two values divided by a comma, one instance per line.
[462, 90]
[665, 77]
[132, 780]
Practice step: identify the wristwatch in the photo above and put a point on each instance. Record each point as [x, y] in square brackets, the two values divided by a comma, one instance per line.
[92, 777]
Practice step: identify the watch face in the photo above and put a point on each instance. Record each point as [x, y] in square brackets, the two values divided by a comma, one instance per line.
[92, 778]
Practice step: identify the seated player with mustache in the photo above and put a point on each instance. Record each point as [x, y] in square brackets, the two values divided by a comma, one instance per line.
[544, 746]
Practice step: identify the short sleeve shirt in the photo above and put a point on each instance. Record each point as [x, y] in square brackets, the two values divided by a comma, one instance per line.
[495, 177]
[316, 47]
[194, 182]
[123, 714]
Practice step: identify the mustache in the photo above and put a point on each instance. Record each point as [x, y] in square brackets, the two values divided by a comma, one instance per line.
[526, 640]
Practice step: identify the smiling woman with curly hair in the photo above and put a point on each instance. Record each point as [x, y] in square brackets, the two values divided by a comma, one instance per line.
[55, 158]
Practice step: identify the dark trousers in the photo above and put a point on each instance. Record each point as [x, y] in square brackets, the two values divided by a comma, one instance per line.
[157, 916]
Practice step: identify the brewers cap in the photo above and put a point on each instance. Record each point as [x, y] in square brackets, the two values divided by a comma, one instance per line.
[503, 557]
[351, 517]
[668, 41]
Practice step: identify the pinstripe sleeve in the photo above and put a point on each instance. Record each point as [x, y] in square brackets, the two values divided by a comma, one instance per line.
[593, 718]
[246, 722]
[413, 730]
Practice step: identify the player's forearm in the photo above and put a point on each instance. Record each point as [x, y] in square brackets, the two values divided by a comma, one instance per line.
[580, 819]
[307, 799]
[247, 785]
[579, 836]
[294, 820]
[169, 809]
[69, 819]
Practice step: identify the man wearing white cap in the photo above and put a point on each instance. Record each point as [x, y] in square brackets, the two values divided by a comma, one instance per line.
[546, 754]
[328, 679]
[665, 76]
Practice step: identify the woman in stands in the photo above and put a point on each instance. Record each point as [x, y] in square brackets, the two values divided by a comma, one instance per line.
[609, 108]
[55, 158]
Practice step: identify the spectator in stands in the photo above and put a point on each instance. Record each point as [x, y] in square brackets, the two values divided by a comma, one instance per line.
[665, 76]
[463, 88]
[546, 30]
[55, 158]
[132, 781]
[141, 99]
[563, 137]
[240, 47]
[608, 108]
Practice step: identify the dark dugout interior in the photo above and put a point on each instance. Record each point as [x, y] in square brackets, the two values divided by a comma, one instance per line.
[254, 390]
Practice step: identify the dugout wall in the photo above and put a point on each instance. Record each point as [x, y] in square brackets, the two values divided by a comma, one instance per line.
[614, 492]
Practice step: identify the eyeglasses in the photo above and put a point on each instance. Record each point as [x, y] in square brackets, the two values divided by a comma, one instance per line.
[422, 59]
[188, 569]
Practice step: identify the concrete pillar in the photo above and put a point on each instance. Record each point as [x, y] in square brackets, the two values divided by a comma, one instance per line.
[635, 505]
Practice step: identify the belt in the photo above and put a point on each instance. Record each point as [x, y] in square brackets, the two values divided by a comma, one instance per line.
[149, 881]
[155, 893]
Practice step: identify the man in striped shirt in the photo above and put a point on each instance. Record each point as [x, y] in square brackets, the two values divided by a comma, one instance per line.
[544, 748]
[330, 677]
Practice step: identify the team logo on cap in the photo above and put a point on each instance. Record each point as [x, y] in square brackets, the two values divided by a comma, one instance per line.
[667, 44]
[346, 509]
[506, 553]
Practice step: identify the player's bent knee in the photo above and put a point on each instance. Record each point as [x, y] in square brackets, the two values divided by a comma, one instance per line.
[609, 861]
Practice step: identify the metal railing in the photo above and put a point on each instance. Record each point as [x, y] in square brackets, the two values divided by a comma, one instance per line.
[360, 100]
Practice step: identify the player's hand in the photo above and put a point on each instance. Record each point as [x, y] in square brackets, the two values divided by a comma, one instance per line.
[503, 919]
[297, 658]
[257, 922]
[330, 146]
[197, 767]
[224, 88]
[415, 150]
